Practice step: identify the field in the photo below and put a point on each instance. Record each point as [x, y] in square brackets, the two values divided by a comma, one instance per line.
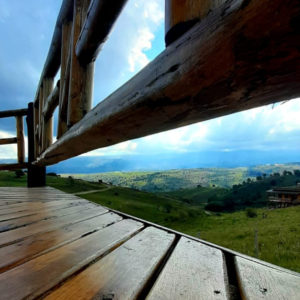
[162, 181]
[271, 235]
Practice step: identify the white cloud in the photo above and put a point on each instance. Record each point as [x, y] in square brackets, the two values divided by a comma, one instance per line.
[137, 59]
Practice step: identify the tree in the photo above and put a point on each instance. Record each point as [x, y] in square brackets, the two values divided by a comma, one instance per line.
[19, 173]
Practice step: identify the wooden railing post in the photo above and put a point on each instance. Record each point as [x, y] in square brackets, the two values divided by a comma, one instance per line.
[181, 15]
[64, 78]
[20, 139]
[81, 75]
[47, 123]
[36, 176]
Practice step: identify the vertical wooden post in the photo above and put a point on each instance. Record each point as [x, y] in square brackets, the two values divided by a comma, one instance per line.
[41, 121]
[20, 139]
[181, 15]
[36, 175]
[36, 121]
[47, 123]
[81, 76]
[64, 78]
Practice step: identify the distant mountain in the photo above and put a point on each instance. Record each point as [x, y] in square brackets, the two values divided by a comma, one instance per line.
[232, 159]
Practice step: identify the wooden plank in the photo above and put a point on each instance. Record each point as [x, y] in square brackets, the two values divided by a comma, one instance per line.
[8, 141]
[13, 113]
[257, 281]
[81, 76]
[123, 273]
[66, 51]
[182, 15]
[10, 237]
[194, 271]
[12, 206]
[42, 216]
[37, 276]
[100, 20]
[38, 244]
[20, 139]
[193, 80]
[35, 210]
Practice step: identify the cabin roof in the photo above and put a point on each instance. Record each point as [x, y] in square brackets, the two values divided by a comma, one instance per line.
[286, 190]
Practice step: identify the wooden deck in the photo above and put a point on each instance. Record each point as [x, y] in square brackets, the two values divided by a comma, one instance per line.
[55, 245]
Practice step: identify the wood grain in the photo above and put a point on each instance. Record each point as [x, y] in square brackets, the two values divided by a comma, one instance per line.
[194, 271]
[81, 76]
[260, 282]
[16, 235]
[181, 15]
[37, 276]
[237, 58]
[66, 51]
[41, 243]
[99, 22]
[123, 273]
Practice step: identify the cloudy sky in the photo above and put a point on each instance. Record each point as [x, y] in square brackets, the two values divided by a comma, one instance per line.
[26, 29]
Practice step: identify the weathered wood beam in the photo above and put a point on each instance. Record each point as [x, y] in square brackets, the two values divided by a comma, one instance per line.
[47, 124]
[20, 139]
[64, 78]
[180, 15]
[41, 120]
[51, 102]
[101, 17]
[9, 167]
[13, 113]
[8, 141]
[237, 58]
[81, 76]
[52, 63]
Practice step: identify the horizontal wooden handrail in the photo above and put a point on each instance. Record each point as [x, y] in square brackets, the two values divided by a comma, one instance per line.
[53, 59]
[10, 167]
[100, 19]
[8, 141]
[220, 66]
[13, 113]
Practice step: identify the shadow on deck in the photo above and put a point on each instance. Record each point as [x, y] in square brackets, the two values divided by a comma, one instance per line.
[55, 245]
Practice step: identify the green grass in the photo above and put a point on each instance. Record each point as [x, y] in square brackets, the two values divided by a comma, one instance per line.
[278, 230]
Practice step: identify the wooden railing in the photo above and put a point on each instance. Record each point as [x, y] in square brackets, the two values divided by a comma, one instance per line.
[19, 139]
[222, 56]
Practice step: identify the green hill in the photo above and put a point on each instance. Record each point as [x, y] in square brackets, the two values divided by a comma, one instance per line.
[172, 180]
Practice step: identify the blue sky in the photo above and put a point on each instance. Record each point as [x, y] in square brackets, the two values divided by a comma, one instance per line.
[26, 29]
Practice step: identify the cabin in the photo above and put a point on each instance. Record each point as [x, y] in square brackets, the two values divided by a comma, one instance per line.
[284, 196]
[221, 57]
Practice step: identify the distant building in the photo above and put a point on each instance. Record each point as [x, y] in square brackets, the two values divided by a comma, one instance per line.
[284, 196]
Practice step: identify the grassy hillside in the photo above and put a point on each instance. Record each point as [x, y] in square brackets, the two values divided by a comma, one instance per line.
[162, 181]
[278, 230]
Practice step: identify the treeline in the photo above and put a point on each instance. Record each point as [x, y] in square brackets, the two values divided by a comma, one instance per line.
[252, 192]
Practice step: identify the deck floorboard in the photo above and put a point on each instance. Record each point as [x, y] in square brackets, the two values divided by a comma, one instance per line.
[55, 245]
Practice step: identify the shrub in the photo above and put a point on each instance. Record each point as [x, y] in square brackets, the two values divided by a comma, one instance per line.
[251, 213]
[19, 173]
[52, 174]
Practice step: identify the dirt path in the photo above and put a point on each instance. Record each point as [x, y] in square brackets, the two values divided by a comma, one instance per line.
[93, 191]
